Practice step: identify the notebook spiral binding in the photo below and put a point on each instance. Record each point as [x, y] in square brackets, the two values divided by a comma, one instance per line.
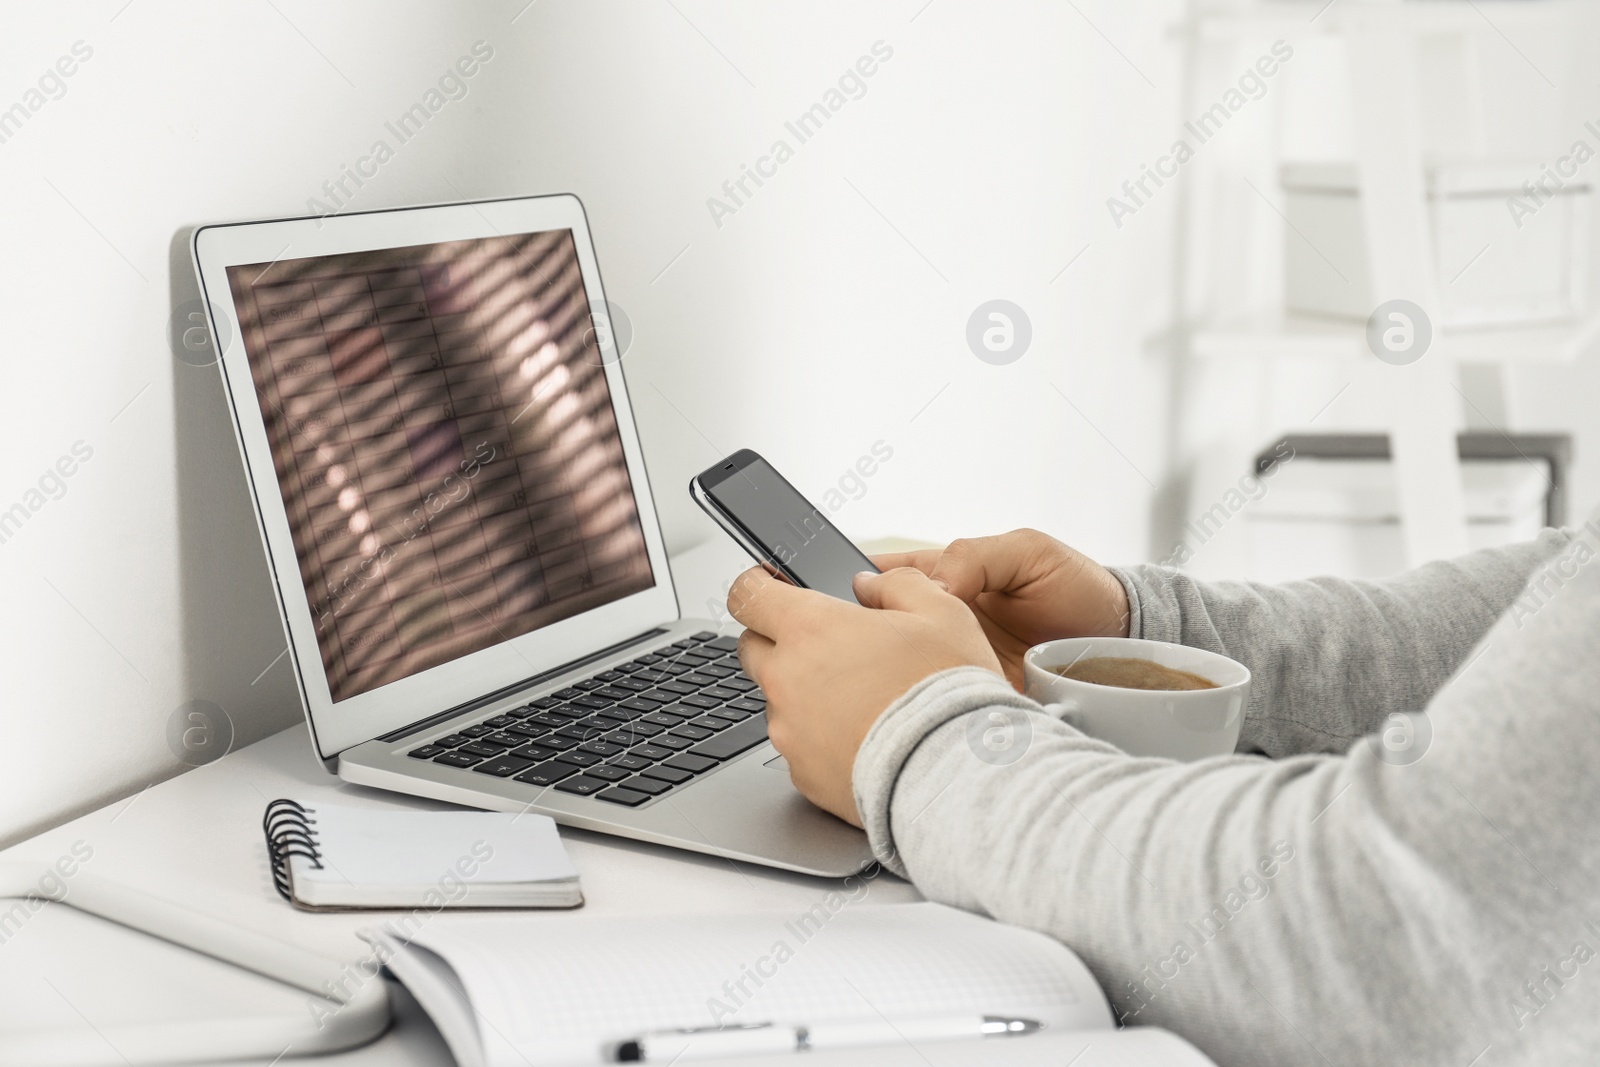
[290, 830]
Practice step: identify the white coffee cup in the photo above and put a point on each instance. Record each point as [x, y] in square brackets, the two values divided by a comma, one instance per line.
[1183, 724]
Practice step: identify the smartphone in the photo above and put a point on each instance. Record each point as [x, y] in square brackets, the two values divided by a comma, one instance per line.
[779, 527]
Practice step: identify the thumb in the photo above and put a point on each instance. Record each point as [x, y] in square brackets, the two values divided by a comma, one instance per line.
[902, 589]
[960, 567]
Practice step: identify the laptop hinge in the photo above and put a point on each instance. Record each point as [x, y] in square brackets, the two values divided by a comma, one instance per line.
[516, 687]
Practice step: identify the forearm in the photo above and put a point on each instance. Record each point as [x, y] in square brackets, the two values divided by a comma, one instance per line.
[1332, 658]
[1289, 911]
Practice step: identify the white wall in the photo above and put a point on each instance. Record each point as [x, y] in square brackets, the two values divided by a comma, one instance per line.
[811, 324]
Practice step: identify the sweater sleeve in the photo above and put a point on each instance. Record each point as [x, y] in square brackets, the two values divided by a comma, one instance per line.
[1354, 908]
[1330, 659]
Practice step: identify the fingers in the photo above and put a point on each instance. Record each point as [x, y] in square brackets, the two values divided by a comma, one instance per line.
[755, 652]
[769, 605]
[923, 559]
[902, 589]
[973, 565]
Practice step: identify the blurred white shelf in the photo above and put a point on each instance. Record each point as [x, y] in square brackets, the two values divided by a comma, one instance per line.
[1426, 16]
[1274, 335]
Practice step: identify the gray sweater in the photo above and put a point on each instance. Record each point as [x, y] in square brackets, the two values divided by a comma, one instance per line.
[1401, 865]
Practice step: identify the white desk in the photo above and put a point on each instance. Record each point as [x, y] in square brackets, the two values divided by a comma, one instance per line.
[196, 839]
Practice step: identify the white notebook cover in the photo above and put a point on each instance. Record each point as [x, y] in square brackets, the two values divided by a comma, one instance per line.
[378, 858]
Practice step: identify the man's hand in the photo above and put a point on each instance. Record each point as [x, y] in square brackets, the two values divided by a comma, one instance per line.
[830, 668]
[1025, 588]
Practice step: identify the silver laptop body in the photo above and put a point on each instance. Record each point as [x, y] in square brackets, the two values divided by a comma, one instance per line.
[434, 421]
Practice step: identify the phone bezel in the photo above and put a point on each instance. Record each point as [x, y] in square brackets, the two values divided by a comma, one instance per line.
[701, 485]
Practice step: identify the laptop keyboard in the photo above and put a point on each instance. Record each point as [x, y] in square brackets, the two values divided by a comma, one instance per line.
[624, 735]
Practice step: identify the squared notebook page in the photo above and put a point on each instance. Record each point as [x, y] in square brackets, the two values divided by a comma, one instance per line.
[561, 990]
[368, 847]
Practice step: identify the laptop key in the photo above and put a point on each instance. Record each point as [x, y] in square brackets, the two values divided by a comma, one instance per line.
[654, 786]
[578, 734]
[582, 785]
[622, 713]
[642, 706]
[593, 700]
[650, 676]
[523, 712]
[633, 685]
[588, 684]
[503, 766]
[630, 762]
[710, 722]
[675, 686]
[544, 718]
[712, 639]
[729, 743]
[427, 751]
[652, 752]
[720, 692]
[567, 711]
[499, 722]
[717, 670]
[457, 759]
[666, 774]
[452, 740]
[685, 761]
[559, 743]
[601, 748]
[578, 759]
[674, 668]
[483, 749]
[687, 642]
[536, 753]
[628, 797]
[611, 692]
[477, 731]
[607, 772]
[610, 676]
[748, 703]
[700, 701]
[636, 732]
[689, 733]
[662, 719]
[596, 724]
[547, 773]
[508, 739]
[527, 730]
[673, 741]
[696, 679]
[743, 685]
[731, 714]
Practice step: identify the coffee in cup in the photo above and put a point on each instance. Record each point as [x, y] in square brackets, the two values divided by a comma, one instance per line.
[1172, 701]
[1130, 672]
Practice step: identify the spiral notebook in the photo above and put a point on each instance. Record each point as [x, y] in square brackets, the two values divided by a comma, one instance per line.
[332, 856]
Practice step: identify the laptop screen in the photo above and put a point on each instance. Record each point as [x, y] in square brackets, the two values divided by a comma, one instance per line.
[445, 445]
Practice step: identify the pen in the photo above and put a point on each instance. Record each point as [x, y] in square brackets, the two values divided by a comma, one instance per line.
[708, 1042]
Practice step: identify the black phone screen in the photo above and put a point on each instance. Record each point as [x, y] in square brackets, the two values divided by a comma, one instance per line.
[794, 533]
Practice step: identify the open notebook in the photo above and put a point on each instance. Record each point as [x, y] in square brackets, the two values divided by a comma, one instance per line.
[558, 991]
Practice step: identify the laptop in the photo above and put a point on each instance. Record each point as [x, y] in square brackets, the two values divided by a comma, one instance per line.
[436, 430]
